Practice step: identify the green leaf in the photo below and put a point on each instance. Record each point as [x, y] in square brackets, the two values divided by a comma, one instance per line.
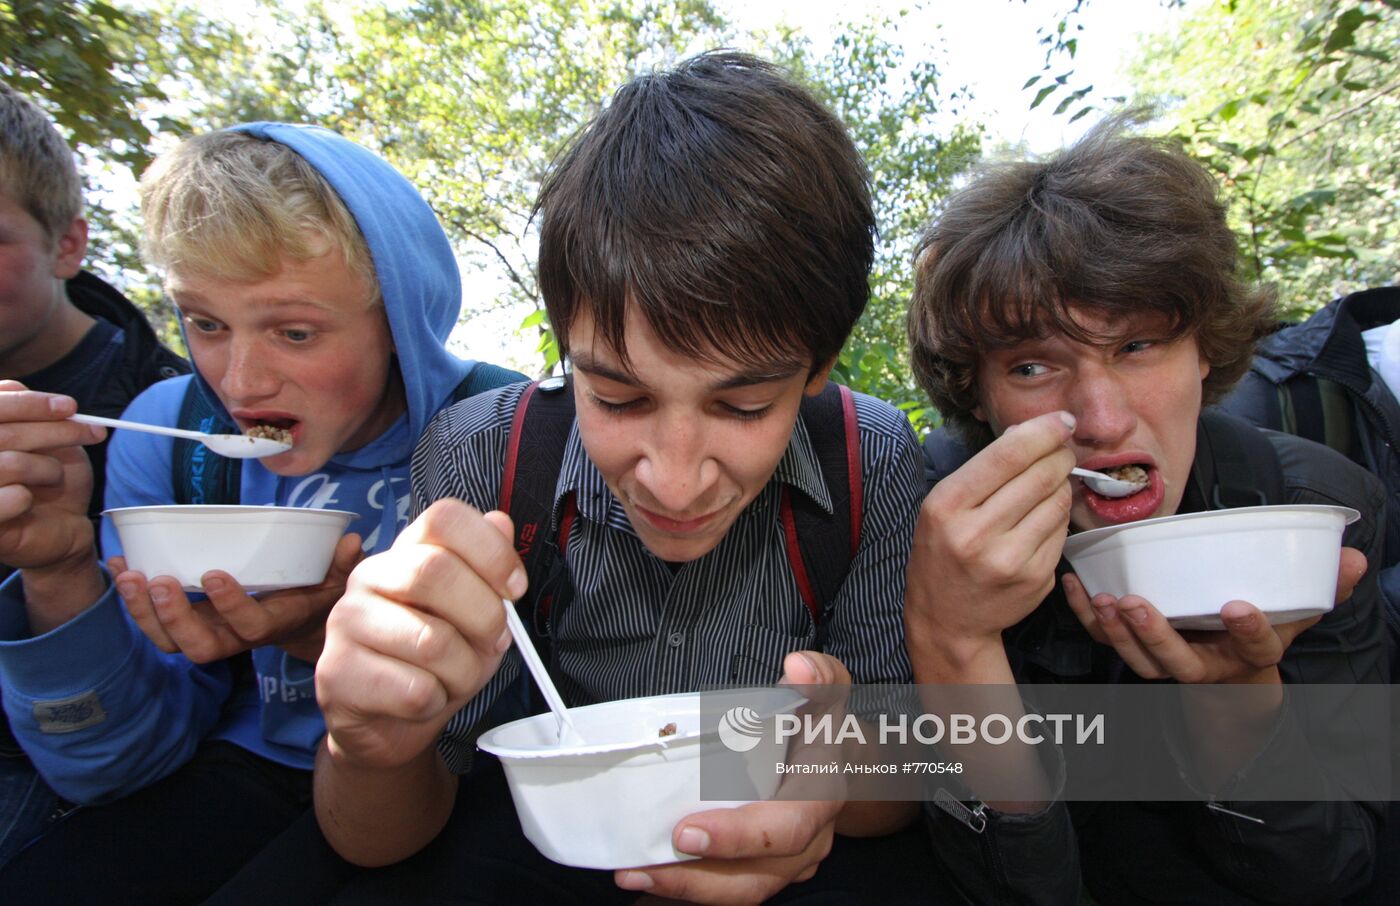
[1042, 94]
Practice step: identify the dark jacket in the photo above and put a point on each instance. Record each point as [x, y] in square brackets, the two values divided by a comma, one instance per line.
[1186, 852]
[144, 362]
[1329, 345]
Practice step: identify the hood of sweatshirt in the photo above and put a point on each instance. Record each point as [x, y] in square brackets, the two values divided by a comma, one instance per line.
[416, 271]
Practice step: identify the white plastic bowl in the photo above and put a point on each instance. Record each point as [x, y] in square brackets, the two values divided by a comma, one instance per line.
[569, 798]
[263, 547]
[1281, 559]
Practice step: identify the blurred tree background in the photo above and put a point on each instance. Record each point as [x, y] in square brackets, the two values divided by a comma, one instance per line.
[1290, 102]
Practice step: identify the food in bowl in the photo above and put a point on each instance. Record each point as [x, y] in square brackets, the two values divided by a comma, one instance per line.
[264, 548]
[1281, 559]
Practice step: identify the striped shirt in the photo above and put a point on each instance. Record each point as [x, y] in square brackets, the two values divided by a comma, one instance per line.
[636, 627]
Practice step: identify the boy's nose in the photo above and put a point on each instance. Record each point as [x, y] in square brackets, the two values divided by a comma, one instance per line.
[246, 375]
[677, 471]
[1103, 409]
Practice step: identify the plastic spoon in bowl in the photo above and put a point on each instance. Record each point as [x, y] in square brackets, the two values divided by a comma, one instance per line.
[234, 446]
[1105, 486]
[568, 734]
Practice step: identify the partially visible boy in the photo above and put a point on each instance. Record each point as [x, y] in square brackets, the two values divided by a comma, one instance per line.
[316, 290]
[704, 253]
[1081, 310]
[62, 330]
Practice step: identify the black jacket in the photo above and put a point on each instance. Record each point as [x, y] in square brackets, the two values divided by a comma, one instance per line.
[1329, 345]
[1185, 852]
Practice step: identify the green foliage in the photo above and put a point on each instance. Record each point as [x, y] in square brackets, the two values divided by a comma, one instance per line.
[1293, 105]
[897, 112]
[472, 100]
[62, 53]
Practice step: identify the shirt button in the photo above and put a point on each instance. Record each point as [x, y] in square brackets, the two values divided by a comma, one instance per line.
[675, 639]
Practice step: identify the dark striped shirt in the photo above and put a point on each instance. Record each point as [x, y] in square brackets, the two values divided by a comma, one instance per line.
[634, 626]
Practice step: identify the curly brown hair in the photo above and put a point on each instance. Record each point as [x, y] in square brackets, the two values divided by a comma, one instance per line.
[1117, 223]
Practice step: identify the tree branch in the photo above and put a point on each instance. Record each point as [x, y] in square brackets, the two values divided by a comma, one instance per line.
[1343, 114]
[511, 272]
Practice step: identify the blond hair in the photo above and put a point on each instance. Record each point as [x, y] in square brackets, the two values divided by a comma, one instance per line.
[233, 206]
[36, 165]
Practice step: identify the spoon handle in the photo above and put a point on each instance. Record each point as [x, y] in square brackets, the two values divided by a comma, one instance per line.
[137, 426]
[567, 732]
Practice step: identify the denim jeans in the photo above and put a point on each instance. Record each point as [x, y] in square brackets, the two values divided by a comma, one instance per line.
[175, 841]
[27, 806]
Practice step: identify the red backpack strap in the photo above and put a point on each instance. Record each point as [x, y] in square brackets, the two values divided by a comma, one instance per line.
[821, 546]
[539, 432]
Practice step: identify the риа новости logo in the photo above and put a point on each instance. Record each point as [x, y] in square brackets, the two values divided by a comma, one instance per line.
[740, 729]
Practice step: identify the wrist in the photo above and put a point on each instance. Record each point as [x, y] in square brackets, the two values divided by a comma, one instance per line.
[940, 655]
[58, 592]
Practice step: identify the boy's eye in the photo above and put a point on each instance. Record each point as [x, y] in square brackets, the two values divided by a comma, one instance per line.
[202, 325]
[1029, 369]
[615, 408]
[1135, 346]
[297, 335]
[746, 415]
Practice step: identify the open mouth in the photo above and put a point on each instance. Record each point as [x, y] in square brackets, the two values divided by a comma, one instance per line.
[1139, 504]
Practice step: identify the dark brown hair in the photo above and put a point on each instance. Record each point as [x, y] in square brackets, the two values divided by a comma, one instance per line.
[722, 200]
[1119, 224]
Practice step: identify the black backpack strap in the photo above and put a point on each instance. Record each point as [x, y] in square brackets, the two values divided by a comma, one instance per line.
[534, 458]
[1320, 410]
[821, 547]
[1246, 466]
[197, 474]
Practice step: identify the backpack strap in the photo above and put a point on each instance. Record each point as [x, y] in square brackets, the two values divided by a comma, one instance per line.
[820, 547]
[197, 474]
[1246, 466]
[534, 457]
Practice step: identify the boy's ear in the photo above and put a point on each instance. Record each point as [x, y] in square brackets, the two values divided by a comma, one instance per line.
[817, 382]
[70, 249]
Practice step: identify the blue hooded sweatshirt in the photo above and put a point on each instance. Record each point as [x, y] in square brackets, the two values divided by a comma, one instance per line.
[103, 712]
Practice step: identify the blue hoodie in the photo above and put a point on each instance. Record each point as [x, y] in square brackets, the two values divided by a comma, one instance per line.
[102, 711]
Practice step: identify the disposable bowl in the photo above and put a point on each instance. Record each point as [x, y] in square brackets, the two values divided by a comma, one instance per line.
[264, 548]
[570, 799]
[1281, 559]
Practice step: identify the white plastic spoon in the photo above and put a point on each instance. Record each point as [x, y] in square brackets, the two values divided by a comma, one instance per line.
[234, 446]
[568, 734]
[1106, 486]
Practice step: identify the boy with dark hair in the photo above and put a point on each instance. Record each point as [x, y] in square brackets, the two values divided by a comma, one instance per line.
[705, 246]
[1082, 310]
[62, 330]
[316, 290]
